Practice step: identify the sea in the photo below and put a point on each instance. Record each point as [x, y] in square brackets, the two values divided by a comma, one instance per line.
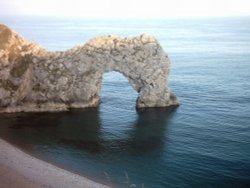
[205, 142]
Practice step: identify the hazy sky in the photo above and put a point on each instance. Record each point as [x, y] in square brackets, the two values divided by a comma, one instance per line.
[126, 8]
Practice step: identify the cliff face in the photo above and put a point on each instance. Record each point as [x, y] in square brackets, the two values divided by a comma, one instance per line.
[34, 79]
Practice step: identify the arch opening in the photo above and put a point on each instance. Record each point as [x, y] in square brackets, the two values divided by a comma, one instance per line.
[116, 91]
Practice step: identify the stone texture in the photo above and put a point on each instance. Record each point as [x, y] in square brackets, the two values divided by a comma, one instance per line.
[34, 79]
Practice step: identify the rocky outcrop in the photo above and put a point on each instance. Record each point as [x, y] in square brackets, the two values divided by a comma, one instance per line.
[34, 79]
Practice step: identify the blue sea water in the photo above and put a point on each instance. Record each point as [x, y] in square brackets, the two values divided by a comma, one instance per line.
[205, 142]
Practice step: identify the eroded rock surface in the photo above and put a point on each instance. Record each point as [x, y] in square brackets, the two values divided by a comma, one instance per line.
[34, 79]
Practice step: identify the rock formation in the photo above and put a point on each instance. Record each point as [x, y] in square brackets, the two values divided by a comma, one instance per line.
[34, 79]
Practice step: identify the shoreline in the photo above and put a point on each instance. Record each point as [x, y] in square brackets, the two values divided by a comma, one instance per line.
[19, 169]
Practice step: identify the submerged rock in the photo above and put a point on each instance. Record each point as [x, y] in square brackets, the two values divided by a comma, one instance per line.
[34, 79]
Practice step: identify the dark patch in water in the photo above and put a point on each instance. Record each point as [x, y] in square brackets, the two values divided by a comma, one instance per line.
[89, 146]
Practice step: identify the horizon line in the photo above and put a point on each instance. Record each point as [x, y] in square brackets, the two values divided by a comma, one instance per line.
[126, 18]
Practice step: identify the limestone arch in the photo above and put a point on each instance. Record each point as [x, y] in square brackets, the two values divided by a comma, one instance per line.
[141, 60]
[34, 79]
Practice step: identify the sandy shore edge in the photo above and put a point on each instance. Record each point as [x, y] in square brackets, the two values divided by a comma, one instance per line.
[18, 169]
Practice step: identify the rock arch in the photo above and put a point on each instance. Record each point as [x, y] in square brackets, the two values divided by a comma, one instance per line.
[34, 79]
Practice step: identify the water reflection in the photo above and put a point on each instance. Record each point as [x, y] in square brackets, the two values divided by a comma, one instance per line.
[81, 130]
[149, 130]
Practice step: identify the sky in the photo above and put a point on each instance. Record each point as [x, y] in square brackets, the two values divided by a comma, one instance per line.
[126, 8]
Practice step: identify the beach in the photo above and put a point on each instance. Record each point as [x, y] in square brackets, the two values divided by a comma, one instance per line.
[18, 169]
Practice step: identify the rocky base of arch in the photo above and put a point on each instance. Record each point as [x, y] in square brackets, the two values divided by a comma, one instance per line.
[34, 79]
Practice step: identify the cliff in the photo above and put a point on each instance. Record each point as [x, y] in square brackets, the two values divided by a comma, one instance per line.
[34, 79]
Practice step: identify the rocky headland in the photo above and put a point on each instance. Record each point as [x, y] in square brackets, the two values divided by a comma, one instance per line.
[34, 79]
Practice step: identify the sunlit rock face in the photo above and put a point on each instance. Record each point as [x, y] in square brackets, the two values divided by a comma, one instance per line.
[34, 79]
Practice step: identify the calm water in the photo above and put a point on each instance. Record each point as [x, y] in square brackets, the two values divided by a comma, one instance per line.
[203, 143]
